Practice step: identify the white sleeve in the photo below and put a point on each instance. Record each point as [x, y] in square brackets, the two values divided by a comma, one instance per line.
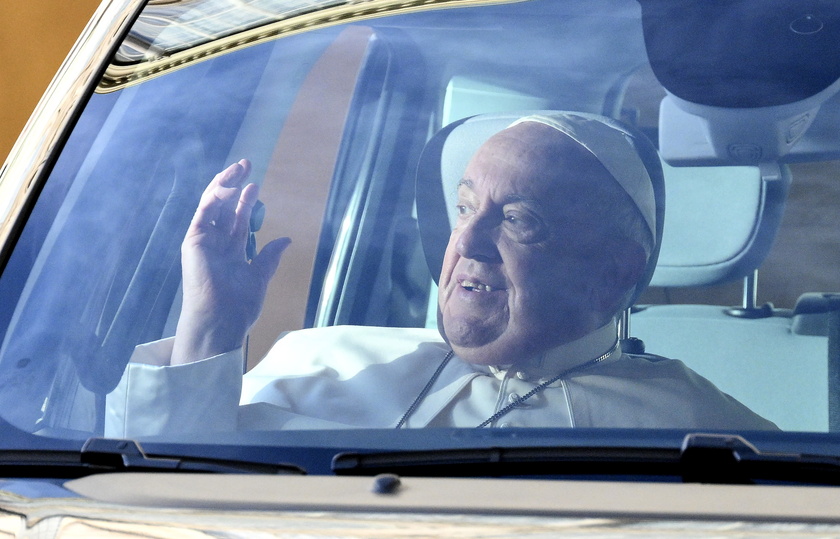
[155, 398]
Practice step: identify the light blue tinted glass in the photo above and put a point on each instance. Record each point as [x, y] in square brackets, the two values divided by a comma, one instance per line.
[334, 122]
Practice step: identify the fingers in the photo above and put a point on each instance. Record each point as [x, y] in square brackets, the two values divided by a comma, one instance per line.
[268, 260]
[217, 207]
[226, 206]
[242, 217]
[235, 175]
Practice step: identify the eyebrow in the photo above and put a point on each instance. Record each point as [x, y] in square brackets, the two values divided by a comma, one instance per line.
[510, 199]
[464, 182]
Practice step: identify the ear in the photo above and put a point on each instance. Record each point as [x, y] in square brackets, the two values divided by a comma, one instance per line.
[624, 267]
[630, 261]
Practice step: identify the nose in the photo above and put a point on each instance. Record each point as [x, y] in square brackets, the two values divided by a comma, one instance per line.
[477, 240]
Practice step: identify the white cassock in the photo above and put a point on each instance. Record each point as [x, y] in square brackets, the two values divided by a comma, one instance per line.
[369, 377]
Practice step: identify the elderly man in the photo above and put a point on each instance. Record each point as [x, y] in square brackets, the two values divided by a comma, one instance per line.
[553, 232]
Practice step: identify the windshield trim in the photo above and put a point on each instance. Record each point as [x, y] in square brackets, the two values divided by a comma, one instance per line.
[157, 61]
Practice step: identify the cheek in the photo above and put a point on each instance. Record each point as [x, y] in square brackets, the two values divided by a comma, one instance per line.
[549, 286]
[450, 258]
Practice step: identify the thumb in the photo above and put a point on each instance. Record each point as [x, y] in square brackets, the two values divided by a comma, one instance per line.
[267, 261]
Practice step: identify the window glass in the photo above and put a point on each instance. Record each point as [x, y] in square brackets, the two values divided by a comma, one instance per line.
[334, 120]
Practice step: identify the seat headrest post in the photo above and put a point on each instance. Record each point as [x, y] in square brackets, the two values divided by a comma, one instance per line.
[751, 290]
[624, 325]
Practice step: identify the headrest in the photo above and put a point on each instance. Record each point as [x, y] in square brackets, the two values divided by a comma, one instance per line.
[448, 152]
[720, 223]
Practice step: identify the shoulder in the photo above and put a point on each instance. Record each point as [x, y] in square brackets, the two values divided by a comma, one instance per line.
[671, 376]
[347, 364]
[666, 393]
[348, 348]
[650, 367]
[373, 337]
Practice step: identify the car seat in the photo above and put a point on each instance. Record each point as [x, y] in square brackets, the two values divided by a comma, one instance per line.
[719, 227]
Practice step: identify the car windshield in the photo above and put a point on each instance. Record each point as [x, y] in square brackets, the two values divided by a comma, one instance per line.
[548, 214]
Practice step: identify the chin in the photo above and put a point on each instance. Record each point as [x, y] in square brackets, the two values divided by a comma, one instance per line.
[485, 342]
[495, 349]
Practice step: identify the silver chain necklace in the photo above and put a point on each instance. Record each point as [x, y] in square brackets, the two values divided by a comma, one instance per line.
[516, 402]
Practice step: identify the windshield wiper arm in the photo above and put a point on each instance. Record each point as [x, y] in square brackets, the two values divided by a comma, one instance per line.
[104, 455]
[730, 459]
[703, 458]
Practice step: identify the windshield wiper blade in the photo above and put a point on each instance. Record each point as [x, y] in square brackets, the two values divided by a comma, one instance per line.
[703, 458]
[104, 455]
[514, 461]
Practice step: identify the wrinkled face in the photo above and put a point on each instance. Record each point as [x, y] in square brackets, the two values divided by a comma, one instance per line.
[529, 262]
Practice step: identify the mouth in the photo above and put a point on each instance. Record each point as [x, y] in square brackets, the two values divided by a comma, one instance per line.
[476, 286]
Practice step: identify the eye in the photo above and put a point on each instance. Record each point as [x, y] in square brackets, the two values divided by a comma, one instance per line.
[463, 209]
[515, 220]
[524, 227]
[520, 220]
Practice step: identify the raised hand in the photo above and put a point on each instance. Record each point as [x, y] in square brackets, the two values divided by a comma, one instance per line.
[223, 292]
